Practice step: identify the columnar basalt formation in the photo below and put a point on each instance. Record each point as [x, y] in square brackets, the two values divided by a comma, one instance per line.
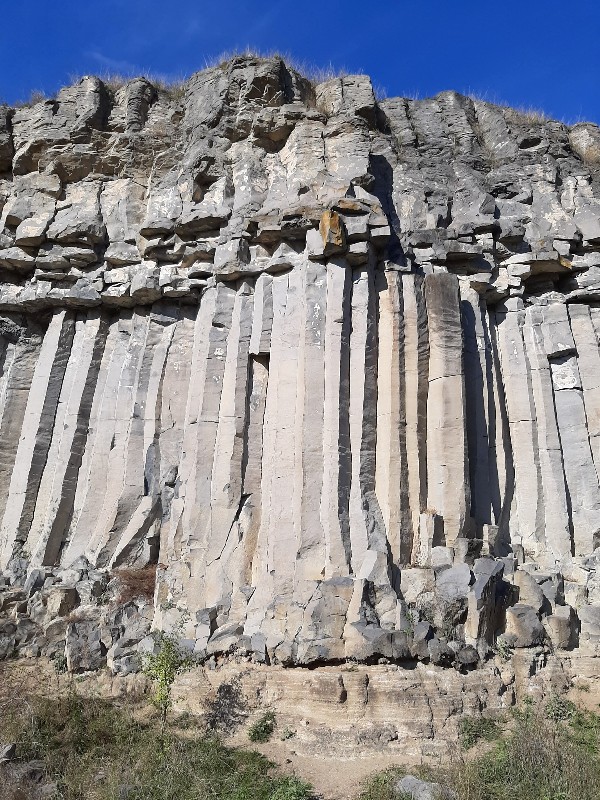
[330, 362]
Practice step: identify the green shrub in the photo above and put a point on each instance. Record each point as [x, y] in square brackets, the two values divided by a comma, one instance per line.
[381, 785]
[291, 789]
[559, 708]
[163, 667]
[262, 729]
[473, 729]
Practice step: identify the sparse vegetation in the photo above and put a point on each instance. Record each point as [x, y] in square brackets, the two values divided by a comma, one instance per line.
[163, 667]
[174, 87]
[518, 113]
[547, 752]
[472, 730]
[381, 786]
[136, 584]
[262, 729]
[560, 709]
[503, 648]
[314, 73]
[36, 96]
[527, 114]
[89, 748]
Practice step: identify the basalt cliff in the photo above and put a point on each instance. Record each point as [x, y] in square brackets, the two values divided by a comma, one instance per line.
[329, 363]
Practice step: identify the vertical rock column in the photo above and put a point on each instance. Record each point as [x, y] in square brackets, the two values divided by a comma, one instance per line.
[163, 464]
[125, 457]
[19, 360]
[137, 518]
[94, 473]
[447, 467]
[416, 386]
[178, 537]
[54, 505]
[198, 507]
[36, 431]
[526, 517]
[588, 360]
[556, 539]
[274, 564]
[499, 441]
[256, 395]
[367, 529]
[391, 477]
[478, 388]
[310, 429]
[228, 501]
[336, 431]
[580, 472]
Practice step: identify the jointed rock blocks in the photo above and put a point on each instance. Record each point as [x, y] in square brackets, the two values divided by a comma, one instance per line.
[331, 364]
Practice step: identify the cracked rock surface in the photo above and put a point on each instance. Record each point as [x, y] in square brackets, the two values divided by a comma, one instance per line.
[331, 363]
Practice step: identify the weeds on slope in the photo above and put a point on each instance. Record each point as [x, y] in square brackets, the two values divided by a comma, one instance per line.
[93, 749]
[549, 751]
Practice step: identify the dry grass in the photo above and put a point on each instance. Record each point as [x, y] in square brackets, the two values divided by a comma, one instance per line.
[173, 87]
[136, 584]
[314, 73]
[529, 114]
[547, 752]
[36, 96]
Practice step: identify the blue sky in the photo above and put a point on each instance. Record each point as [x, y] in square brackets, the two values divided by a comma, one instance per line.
[534, 53]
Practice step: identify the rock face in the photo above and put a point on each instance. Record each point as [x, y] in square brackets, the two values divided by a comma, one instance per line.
[331, 363]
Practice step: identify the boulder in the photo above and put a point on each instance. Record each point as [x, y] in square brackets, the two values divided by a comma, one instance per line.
[417, 789]
[523, 626]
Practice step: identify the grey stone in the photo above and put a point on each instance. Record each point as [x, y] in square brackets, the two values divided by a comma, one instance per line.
[7, 752]
[417, 789]
[440, 653]
[454, 582]
[35, 580]
[422, 636]
[524, 627]
[467, 656]
[84, 649]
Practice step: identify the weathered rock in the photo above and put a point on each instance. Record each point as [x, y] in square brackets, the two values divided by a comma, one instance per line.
[7, 752]
[523, 626]
[84, 649]
[562, 628]
[312, 354]
[417, 789]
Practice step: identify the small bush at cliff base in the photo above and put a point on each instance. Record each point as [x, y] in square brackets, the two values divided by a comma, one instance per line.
[475, 729]
[262, 729]
[381, 786]
[163, 667]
